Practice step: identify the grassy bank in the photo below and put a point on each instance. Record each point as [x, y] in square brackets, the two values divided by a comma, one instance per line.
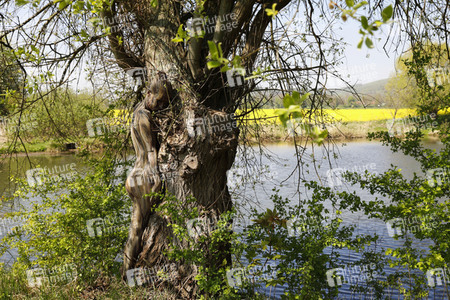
[274, 133]
[15, 286]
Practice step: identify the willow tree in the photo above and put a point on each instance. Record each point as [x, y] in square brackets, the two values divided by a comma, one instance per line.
[202, 60]
[195, 55]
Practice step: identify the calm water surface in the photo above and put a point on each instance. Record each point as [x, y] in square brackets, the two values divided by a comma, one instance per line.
[356, 156]
[279, 172]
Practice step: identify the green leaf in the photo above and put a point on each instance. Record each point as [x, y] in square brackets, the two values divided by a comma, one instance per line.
[63, 4]
[350, 3]
[386, 14]
[84, 34]
[360, 43]
[237, 61]
[21, 2]
[296, 97]
[293, 108]
[297, 114]
[378, 23]
[35, 49]
[369, 43]
[364, 22]
[213, 64]
[219, 47]
[323, 134]
[288, 101]
[177, 39]
[304, 97]
[284, 117]
[181, 35]
[213, 50]
[360, 4]
[79, 6]
[216, 55]
[272, 12]
[225, 68]
[154, 3]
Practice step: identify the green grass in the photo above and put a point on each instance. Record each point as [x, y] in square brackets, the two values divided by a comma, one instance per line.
[14, 286]
[31, 147]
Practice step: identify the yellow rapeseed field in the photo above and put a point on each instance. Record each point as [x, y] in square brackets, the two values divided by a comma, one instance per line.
[267, 116]
[341, 115]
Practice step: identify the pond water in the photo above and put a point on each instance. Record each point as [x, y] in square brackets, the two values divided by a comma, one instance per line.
[355, 156]
[279, 172]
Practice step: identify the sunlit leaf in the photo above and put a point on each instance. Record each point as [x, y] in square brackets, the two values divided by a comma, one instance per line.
[288, 101]
[386, 14]
[360, 4]
[63, 4]
[21, 2]
[364, 22]
[213, 64]
[272, 12]
[369, 43]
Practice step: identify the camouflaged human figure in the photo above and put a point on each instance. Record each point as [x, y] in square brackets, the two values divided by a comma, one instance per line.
[145, 178]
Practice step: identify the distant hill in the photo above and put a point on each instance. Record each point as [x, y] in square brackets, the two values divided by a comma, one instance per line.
[368, 90]
[372, 95]
[373, 87]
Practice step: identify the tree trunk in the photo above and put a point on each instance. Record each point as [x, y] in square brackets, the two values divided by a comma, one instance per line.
[192, 161]
[168, 136]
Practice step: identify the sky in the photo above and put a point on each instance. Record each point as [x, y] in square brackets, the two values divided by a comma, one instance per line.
[365, 65]
[362, 65]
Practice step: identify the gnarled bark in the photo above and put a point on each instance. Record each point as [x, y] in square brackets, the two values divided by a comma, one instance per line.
[202, 153]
